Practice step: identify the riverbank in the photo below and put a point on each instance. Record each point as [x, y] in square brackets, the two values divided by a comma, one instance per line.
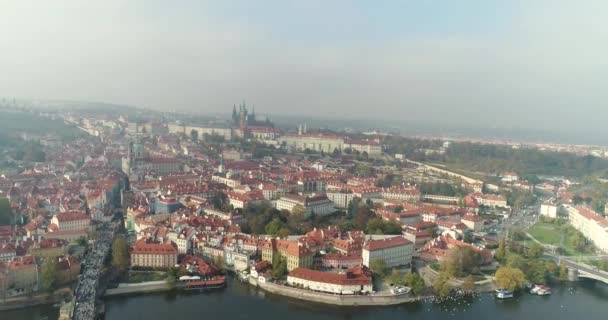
[333, 299]
[34, 300]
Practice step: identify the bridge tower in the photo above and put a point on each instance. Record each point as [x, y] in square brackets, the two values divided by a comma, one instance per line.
[572, 274]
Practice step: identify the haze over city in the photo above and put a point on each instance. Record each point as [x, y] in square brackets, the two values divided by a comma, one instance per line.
[508, 64]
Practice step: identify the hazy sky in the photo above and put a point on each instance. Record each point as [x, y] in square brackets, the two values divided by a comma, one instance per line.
[506, 62]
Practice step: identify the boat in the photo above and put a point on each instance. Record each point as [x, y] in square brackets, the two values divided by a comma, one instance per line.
[541, 290]
[504, 294]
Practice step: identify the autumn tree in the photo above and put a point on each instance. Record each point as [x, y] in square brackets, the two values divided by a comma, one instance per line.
[469, 283]
[461, 261]
[441, 284]
[510, 278]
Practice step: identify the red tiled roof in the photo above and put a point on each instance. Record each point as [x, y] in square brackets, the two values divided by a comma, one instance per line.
[386, 243]
[359, 275]
[144, 246]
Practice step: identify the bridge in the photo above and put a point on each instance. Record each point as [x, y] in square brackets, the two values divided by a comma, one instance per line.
[86, 292]
[581, 270]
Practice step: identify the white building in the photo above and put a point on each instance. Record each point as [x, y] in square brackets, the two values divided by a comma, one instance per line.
[591, 224]
[319, 204]
[548, 209]
[340, 198]
[354, 280]
[395, 251]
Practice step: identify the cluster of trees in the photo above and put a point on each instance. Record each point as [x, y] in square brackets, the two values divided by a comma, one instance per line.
[498, 158]
[6, 216]
[378, 225]
[442, 188]
[521, 265]
[48, 274]
[279, 267]
[460, 262]
[120, 254]
[30, 151]
[410, 279]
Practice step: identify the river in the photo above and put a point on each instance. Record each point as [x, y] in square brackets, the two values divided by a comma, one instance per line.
[586, 299]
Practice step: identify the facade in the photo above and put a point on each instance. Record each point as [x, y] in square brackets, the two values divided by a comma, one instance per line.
[473, 222]
[340, 198]
[591, 224]
[23, 274]
[71, 221]
[146, 253]
[395, 251]
[295, 253]
[354, 280]
[319, 205]
[548, 209]
[371, 147]
[314, 142]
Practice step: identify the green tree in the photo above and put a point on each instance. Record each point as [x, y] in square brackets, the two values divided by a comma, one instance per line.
[397, 278]
[194, 135]
[6, 217]
[441, 286]
[120, 254]
[461, 261]
[273, 227]
[415, 282]
[535, 251]
[279, 267]
[49, 274]
[379, 267]
[219, 263]
[510, 278]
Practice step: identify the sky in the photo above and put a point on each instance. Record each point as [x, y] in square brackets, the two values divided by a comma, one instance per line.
[531, 63]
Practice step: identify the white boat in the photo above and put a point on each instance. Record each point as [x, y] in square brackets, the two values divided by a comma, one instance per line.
[504, 294]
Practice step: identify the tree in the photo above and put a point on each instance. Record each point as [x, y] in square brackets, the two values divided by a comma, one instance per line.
[49, 274]
[563, 271]
[535, 251]
[172, 276]
[510, 278]
[469, 283]
[6, 216]
[441, 284]
[379, 267]
[120, 254]
[397, 278]
[461, 261]
[219, 263]
[194, 135]
[468, 236]
[279, 266]
[273, 227]
[415, 282]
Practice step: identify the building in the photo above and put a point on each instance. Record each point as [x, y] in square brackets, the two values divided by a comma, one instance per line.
[147, 253]
[339, 261]
[394, 251]
[7, 252]
[371, 147]
[341, 198]
[312, 141]
[438, 248]
[548, 209]
[295, 253]
[591, 224]
[71, 221]
[23, 274]
[168, 205]
[138, 163]
[473, 222]
[491, 200]
[354, 280]
[318, 204]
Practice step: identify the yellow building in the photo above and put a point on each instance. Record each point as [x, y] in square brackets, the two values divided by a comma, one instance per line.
[295, 253]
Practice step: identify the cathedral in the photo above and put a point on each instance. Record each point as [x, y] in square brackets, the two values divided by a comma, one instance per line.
[244, 119]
